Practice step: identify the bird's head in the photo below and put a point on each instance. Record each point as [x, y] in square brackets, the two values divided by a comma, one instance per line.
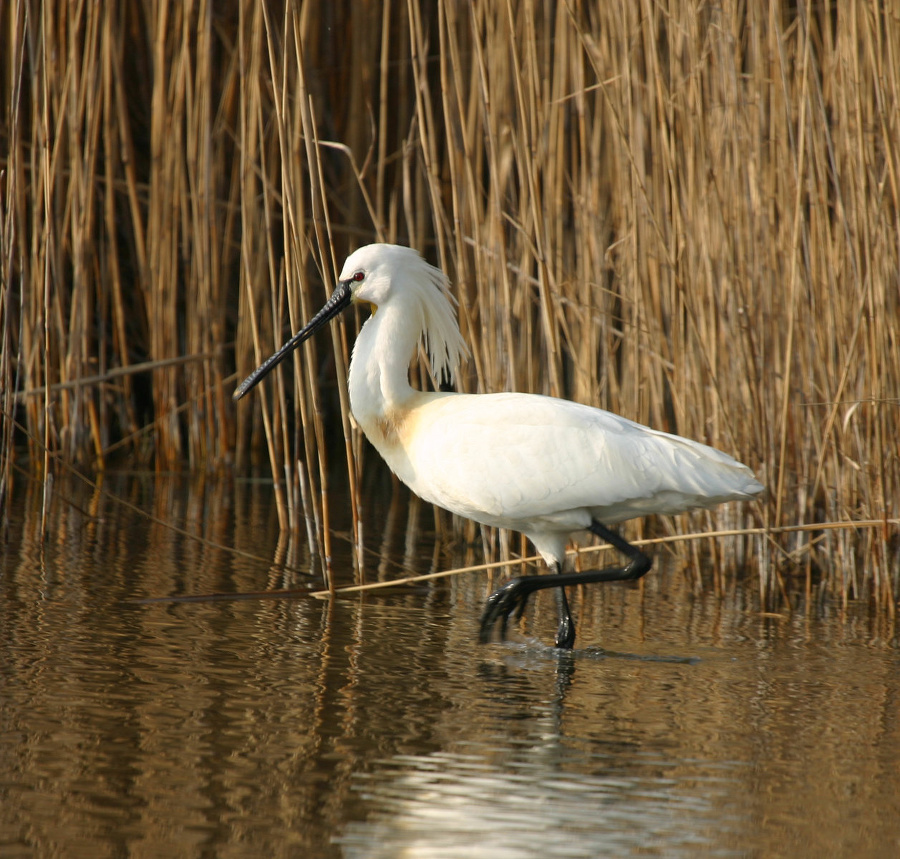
[378, 275]
[370, 273]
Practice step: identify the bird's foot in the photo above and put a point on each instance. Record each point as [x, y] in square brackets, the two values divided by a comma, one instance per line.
[565, 633]
[507, 601]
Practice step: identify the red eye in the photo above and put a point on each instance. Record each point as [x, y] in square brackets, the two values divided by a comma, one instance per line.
[358, 276]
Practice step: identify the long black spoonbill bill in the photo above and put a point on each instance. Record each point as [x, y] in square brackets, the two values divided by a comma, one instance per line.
[539, 465]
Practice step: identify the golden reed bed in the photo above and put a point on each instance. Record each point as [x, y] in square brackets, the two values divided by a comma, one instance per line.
[685, 213]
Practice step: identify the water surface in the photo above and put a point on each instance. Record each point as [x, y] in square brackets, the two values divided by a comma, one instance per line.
[376, 726]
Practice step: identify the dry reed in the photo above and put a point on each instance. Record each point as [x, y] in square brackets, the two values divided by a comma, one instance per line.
[686, 213]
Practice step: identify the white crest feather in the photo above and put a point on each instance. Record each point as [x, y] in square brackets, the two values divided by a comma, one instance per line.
[440, 330]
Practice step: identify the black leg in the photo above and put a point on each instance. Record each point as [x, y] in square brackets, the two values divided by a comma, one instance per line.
[509, 599]
[565, 632]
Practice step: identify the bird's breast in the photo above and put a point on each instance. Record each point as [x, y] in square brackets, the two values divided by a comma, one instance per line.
[401, 433]
[389, 429]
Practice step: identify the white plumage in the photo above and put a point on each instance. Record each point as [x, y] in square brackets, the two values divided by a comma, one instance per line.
[539, 465]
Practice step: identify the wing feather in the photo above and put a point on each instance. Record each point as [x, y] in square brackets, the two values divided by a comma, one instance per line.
[521, 457]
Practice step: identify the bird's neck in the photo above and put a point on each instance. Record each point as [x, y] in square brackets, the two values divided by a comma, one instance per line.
[379, 369]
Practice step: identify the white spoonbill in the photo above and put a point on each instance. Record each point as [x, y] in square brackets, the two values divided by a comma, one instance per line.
[539, 465]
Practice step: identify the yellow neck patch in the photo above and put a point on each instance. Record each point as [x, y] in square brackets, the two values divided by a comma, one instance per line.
[363, 303]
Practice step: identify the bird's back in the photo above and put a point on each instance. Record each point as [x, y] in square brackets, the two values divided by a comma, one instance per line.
[514, 459]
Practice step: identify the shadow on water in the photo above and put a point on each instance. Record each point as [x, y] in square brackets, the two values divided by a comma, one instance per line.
[377, 726]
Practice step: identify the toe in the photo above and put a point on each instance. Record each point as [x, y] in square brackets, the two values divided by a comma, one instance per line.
[507, 601]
